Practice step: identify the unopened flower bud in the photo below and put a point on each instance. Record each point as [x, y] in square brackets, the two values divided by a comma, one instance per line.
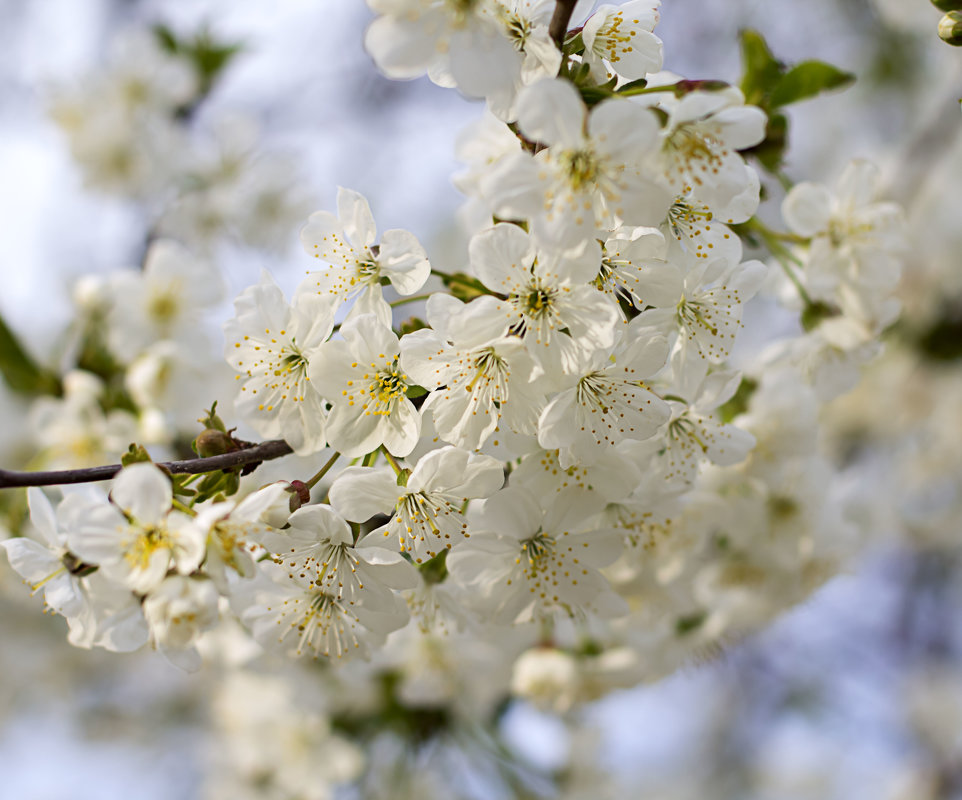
[212, 442]
[300, 495]
[950, 28]
[91, 294]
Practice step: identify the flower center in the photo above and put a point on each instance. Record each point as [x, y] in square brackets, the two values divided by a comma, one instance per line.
[517, 28]
[387, 389]
[692, 144]
[537, 550]
[150, 540]
[611, 39]
[592, 389]
[163, 306]
[692, 313]
[581, 166]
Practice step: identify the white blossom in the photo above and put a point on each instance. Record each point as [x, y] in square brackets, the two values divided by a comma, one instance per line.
[590, 174]
[361, 377]
[609, 402]
[137, 538]
[355, 264]
[427, 510]
[164, 300]
[477, 375]
[271, 344]
[619, 40]
[530, 563]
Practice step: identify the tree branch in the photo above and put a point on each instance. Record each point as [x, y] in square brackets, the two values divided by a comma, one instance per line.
[265, 451]
[559, 21]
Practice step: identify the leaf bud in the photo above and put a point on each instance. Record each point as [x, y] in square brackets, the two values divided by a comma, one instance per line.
[212, 442]
[950, 28]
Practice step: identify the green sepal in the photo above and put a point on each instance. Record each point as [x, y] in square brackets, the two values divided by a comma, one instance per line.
[574, 44]
[435, 570]
[212, 420]
[180, 486]
[135, 454]
[815, 313]
[464, 287]
[412, 324]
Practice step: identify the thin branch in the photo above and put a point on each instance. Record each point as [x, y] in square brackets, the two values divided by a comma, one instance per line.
[265, 451]
[559, 21]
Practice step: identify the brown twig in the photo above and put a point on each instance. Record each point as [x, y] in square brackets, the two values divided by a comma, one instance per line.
[559, 21]
[265, 451]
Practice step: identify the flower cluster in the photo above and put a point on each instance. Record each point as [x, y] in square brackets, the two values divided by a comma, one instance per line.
[572, 473]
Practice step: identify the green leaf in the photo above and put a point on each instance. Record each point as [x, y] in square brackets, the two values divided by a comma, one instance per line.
[592, 95]
[464, 287]
[808, 79]
[166, 38]
[762, 70]
[410, 325]
[771, 150]
[738, 403]
[633, 86]
[20, 372]
[435, 570]
[691, 622]
[815, 313]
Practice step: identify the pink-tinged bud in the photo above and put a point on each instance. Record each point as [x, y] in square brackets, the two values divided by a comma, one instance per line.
[300, 494]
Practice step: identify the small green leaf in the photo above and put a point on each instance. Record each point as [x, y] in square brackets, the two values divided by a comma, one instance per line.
[415, 391]
[435, 570]
[212, 420]
[21, 373]
[738, 403]
[762, 70]
[808, 79]
[633, 86]
[574, 44]
[135, 454]
[692, 622]
[815, 313]
[771, 150]
[410, 325]
[166, 38]
[464, 287]
[592, 95]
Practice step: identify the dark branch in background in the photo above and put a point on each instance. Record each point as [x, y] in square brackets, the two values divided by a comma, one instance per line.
[559, 21]
[265, 451]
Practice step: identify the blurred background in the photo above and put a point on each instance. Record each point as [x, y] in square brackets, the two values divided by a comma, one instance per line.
[857, 694]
